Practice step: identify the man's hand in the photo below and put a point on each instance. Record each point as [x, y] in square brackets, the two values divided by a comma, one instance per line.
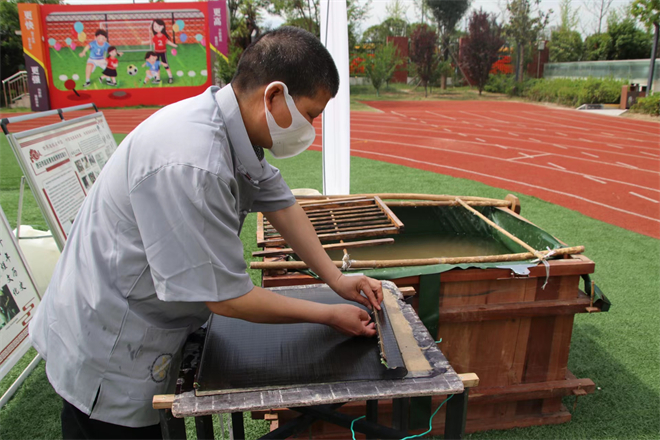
[352, 321]
[352, 288]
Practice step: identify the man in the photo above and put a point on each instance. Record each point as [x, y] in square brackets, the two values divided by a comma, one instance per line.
[155, 247]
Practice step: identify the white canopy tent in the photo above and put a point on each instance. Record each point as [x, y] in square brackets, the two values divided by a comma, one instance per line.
[336, 117]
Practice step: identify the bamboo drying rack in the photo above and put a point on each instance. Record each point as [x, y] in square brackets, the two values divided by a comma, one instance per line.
[510, 202]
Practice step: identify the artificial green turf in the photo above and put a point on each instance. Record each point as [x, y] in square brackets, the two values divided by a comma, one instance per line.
[190, 59]
[618, 350]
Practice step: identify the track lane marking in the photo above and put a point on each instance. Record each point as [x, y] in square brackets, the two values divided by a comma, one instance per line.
[442, 116]
[648, 154]
[556, 166]
[644, 197]
[589, 154]
[594, 179]
[584, 199]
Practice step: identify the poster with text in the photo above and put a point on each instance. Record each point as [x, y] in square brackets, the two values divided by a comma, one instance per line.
[18, 299]
[62, 162]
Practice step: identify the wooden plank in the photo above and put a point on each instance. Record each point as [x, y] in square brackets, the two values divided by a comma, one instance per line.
[529, 391]
[352, 207]
[382, 220]
[491, 312]
[340, 236]
[162, 401]
[337, 203]
[260, 227]
[407, 291]
[470, 380]
[393, 218]
[321, 199]
[326, 231]
[327, 247]
[340, 220]
[415, 204]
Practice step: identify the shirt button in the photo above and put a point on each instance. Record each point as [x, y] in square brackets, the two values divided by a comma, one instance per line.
[244, 212]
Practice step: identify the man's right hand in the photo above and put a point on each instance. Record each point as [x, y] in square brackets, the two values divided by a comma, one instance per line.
[352, 321]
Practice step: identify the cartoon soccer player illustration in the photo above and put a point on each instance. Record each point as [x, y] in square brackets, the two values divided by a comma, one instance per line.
[110, 72]
[161, 39]
[153, 68]
[97, 47]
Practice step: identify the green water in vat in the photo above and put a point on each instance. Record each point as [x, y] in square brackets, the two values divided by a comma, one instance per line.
[426, 246]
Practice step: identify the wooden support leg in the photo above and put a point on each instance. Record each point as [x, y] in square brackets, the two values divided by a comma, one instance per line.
[372, 414]
[204, 427]
[171, 427]
[456, 415]
[400, 409]
[237, 428]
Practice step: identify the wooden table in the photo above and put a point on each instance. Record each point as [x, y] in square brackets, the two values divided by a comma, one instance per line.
[319, 401]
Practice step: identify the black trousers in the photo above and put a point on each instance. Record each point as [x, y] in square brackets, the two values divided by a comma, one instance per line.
[77, 425]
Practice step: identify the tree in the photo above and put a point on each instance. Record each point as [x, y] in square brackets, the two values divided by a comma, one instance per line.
[526, 21]
[447, 14]
[380, 66]
[628, 42]
[423, 44]
[245, 26]
[648, 11]
[481, 47]
[597, 47]
[357, 12]
[304, 14]
[391, 27]
[566, 46]
[600, 9]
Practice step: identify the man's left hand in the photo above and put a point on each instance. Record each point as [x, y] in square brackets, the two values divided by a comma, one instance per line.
[361, 289]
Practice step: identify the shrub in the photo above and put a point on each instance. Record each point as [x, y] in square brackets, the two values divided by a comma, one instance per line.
[575, 92]
[649, 105]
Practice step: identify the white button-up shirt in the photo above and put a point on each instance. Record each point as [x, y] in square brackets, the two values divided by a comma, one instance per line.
[156, 238]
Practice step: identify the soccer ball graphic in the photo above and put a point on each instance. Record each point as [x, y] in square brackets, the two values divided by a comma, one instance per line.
[132, 70]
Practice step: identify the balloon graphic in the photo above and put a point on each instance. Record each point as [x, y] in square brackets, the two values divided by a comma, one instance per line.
[199, 37]
[78, 26]
[183, 38]
[175, 27]
[51, 41]
[180, 24]
[68, 41]
[203, 42]
[73, 46]
[57, 46]
[63, 77]
[71, 85]
[82, 37]
[173, 52]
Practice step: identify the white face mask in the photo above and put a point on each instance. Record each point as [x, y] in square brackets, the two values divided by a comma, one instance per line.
[297, 137]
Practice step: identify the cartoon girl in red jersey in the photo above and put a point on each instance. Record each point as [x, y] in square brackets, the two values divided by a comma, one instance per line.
[161, 39]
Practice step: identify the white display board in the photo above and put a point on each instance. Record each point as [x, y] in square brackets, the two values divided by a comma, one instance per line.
[61, 162]
[18, 299]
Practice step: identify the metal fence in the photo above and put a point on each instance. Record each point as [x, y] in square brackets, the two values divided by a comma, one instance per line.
[634, 71]
[15, 87]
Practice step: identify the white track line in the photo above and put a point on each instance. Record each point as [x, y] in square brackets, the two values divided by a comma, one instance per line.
[513, 134]
[477, 125]
[628, 165]
[398, 114]
[644, 197]
[485, 117]
[614, 208]
[648, 154]
[615, 146]
[499, 146]
[480, 140]
[594, 179]
[462, 134]
[561, 134]
[560, 146]
[556, 166]
[494, 129]
[530, 157]
[414, 119]
[584, 140]
[442, 116]
[589, 154]
[534, 140]
[447, 130]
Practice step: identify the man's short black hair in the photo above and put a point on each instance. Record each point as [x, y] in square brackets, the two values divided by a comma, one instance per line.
[101, 32]
[149, 54]
[291, 55]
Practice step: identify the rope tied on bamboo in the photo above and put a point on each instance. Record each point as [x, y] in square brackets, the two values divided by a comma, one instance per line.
[346, 262]
[543, 260]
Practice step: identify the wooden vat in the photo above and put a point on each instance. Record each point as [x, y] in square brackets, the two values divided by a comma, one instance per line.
[498, 322]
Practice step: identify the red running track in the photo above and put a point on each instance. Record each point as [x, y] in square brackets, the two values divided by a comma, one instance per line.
[605, 167]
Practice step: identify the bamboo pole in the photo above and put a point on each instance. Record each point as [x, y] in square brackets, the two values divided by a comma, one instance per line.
[369, 264]
[327, 247]
[502, 230]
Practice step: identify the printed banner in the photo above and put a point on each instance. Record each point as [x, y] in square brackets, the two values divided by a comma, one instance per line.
[33, 52]
[62, 162]
[218, 35]
[18, 299]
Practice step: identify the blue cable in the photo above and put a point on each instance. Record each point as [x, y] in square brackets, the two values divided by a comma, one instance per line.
[410, 436]
[355, 420]
[430, 420]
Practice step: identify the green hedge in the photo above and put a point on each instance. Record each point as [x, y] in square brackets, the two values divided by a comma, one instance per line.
[649, 105]
[572, 92]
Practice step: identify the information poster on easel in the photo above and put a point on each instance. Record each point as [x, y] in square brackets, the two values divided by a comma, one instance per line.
[61, 162]
[18, 299]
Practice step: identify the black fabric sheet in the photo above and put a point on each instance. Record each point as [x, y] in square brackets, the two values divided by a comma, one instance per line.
[240, 355]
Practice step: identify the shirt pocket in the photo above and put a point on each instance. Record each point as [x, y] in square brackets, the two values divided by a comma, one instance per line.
[156, 362]
[247, 194]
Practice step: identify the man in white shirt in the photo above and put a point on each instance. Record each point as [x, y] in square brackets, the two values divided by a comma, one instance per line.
[155, 248]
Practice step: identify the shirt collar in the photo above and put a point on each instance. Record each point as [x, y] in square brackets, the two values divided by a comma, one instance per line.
[231, 113]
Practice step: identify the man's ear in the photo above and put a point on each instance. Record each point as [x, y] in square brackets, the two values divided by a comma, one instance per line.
[274, 92]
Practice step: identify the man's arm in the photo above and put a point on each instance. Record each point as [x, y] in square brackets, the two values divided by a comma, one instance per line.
[263, 306]
[297, 230]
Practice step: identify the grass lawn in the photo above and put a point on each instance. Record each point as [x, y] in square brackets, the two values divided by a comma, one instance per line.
[619, 350]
